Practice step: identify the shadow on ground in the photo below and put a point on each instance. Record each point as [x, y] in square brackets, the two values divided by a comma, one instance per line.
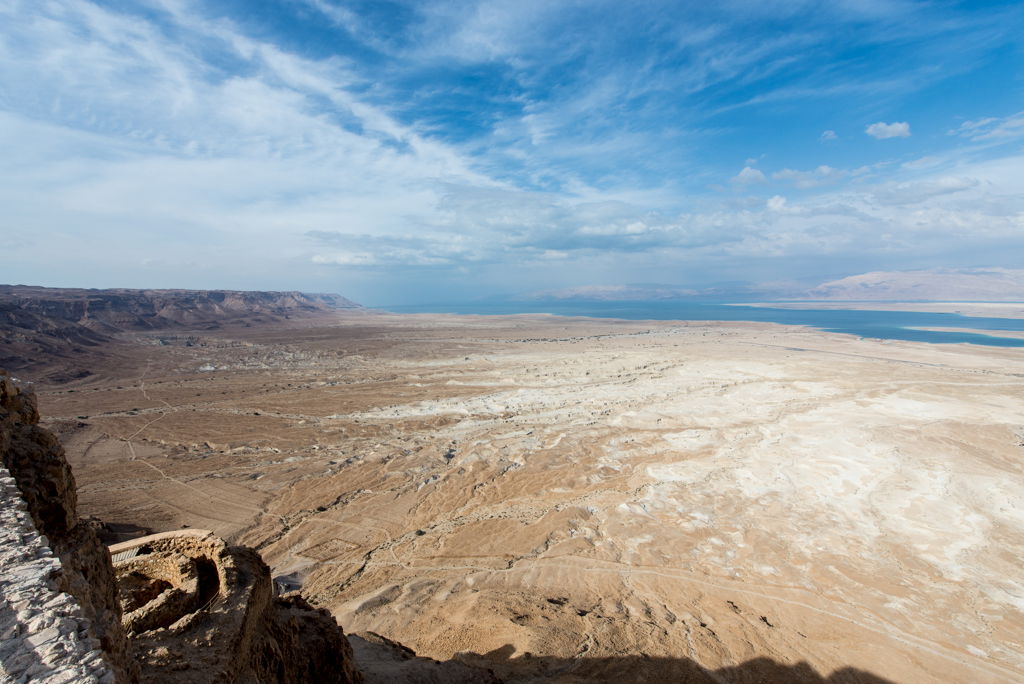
[526, 667]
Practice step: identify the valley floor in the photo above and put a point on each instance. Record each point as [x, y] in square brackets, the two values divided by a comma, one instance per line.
[574, 499]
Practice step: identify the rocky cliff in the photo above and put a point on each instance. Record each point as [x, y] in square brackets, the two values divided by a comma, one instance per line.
[67, 327]
[190, 609]
[118, 310]
[36, 460]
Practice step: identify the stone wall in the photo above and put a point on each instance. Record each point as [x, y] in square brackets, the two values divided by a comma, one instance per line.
[35, 459]
[43, 635]
[197, 610]
[200, 611]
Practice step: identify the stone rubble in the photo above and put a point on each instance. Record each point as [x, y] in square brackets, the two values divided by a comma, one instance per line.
[43, 636]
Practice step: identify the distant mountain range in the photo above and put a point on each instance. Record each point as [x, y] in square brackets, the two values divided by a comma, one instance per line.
[614, 293]
[118, 310]
[39, 323]
[991, 284]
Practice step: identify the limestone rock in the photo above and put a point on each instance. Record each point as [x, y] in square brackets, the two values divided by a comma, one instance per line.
[202, 611]
[197, 609]
[36, 460]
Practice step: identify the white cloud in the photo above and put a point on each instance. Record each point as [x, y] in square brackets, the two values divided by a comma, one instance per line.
[925, 162]
[881, 130]
[992, 128]
[162, 153]
[809, 179]
[167, 170]
[749, 176]
[828, 135]
[916, 192]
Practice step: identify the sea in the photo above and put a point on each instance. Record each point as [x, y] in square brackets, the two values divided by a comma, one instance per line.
[883, 325]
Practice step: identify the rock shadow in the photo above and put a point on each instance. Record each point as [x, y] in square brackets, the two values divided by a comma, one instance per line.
[643, 669]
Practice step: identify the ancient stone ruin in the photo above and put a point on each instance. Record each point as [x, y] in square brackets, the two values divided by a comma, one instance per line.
[198, 610]
[178, 608]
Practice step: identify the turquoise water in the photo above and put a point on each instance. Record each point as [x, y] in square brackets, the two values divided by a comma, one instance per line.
[884, 325]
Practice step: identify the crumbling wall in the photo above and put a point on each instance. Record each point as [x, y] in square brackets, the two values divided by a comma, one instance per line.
[201, 611]
[35, 459]
[43, 636]
[198, 610]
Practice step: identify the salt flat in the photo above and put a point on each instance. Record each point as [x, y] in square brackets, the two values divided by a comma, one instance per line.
[546, 495]
[979, 331]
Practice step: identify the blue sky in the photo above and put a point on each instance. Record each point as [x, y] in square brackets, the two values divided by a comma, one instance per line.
[402, 152]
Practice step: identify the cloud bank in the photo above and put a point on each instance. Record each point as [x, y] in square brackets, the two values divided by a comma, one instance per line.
[436, 150]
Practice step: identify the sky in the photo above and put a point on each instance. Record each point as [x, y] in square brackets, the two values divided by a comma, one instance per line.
[418, 151]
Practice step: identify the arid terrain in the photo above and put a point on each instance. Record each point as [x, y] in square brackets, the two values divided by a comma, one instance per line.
[579, 500]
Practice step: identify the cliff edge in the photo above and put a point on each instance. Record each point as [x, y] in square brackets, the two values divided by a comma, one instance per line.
[35, 459]
[60, 333]
[180, 609]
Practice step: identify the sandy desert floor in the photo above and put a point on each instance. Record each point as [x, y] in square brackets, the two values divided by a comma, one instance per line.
[580, 500]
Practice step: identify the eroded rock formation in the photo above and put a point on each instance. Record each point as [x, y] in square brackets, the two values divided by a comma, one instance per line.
[61, 333]
[194, 609]
[36, 460]
[199, 610]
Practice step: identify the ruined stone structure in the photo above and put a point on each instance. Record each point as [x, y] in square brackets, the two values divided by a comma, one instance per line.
[198, 610]
[43, 636]
[190, 609]
[35, 460]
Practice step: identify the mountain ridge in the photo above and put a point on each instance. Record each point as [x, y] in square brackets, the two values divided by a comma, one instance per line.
[985, 284]
[72, 324]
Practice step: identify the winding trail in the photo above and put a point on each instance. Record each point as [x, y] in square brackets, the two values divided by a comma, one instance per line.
[209, 497]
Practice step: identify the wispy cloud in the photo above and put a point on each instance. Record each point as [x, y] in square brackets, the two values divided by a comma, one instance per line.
[917, 192]
[882, 130]
[169, 142]
[809, 179]
[992, 128]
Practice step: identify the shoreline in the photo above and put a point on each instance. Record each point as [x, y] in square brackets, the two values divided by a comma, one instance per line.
[934, 332]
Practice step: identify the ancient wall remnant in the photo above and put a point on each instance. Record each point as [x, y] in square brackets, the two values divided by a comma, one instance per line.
[199, 610]
[43, 636]
[35, 459]
[194, 610]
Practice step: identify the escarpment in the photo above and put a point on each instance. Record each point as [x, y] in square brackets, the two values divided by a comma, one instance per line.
[64, 334]
[176, 608]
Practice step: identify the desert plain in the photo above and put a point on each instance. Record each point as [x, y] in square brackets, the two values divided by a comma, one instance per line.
[567, 499]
